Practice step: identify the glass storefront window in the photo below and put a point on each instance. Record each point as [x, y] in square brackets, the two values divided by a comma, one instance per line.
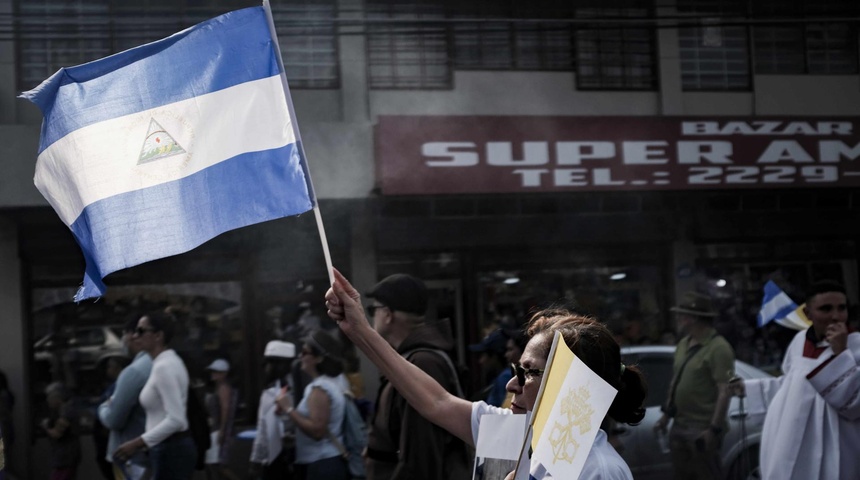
[71, 342]
[735, 275]
[627, 299]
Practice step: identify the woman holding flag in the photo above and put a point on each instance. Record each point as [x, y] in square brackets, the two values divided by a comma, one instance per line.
[590, 340]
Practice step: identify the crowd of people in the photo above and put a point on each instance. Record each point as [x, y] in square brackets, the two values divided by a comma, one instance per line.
[423, 425]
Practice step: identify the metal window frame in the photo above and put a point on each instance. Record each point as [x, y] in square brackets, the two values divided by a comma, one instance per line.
[651, 81]
[120, 25]
[326, 57]
[387, 29]
[717, 8]
[850, 45]
[808, 52]
[514, 35]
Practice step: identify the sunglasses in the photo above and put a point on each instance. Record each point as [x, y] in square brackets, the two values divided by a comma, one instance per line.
[139, 331]
[521, 373]
[371, 309]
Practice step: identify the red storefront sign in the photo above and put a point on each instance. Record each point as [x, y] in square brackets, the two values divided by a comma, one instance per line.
[496, 154]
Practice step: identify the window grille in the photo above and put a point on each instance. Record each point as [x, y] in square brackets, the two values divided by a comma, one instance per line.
[831, 48]
[407, 46]
[55, 34]
[514, 37]
[719, 65]
[779, 50]
[615, 58]
[484, 45]
[61, 33]
[815, 48]
[545, 46]
[714, 55]
[308, 39]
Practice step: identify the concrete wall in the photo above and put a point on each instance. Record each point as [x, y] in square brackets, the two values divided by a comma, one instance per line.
[13, 340]
[18, 147]
[717, 103]
[340, 158]
[7, 66]
[26, 113]
[317, 106]
[807, 95]
[512, 93]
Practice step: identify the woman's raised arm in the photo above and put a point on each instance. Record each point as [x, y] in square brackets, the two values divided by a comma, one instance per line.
[422, 392]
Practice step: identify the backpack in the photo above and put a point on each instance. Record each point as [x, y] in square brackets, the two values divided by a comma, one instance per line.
[458, 378]
[460, 459]
[198, 426]
[354, 438]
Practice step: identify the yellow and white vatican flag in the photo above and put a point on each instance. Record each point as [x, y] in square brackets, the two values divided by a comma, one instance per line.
[570, 407]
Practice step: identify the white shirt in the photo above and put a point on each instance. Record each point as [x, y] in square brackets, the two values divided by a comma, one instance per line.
[271, 427]
[309, 450]
[164, 398]
[343, 383]
[603, 462]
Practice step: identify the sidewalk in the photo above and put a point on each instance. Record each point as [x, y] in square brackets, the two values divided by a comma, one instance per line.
[239, 455]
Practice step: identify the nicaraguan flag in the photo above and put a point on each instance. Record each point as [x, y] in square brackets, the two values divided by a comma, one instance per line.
[153, 151]
[777, 306]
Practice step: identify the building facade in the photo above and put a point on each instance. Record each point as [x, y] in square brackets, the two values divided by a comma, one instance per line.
[605, 155]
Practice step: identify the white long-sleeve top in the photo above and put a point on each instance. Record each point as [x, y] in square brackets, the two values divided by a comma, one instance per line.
[164, 398]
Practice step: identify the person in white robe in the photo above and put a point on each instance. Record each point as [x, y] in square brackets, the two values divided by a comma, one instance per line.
[812, 426]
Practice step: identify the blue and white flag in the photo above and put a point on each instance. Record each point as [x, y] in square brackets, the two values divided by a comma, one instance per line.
[153, 151]
[777, 306]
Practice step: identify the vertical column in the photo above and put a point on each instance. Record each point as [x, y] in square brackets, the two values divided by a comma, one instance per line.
[352, 47]
[355, 101]
[850, 279]
[7, 66]
[12, 341]
[669, 58]
[363, 271]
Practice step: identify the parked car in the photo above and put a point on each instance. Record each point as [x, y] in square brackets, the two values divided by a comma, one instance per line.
[82, 345]
[639, 444]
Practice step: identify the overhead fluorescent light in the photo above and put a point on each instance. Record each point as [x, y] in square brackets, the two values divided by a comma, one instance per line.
[512, 280]
[618, 276]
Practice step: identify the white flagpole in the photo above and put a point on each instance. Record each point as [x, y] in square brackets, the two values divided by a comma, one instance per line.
[295, 125]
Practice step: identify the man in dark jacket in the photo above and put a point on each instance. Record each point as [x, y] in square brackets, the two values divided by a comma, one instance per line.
[402, 444]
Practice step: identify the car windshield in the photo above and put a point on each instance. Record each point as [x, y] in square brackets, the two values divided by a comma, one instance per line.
[657, 368]
[89, 337]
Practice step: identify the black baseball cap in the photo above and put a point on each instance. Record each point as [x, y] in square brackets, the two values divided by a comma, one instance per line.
[402, 293]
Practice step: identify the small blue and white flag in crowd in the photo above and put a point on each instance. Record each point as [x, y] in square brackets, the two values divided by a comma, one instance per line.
[153, 151]
[777, 306]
